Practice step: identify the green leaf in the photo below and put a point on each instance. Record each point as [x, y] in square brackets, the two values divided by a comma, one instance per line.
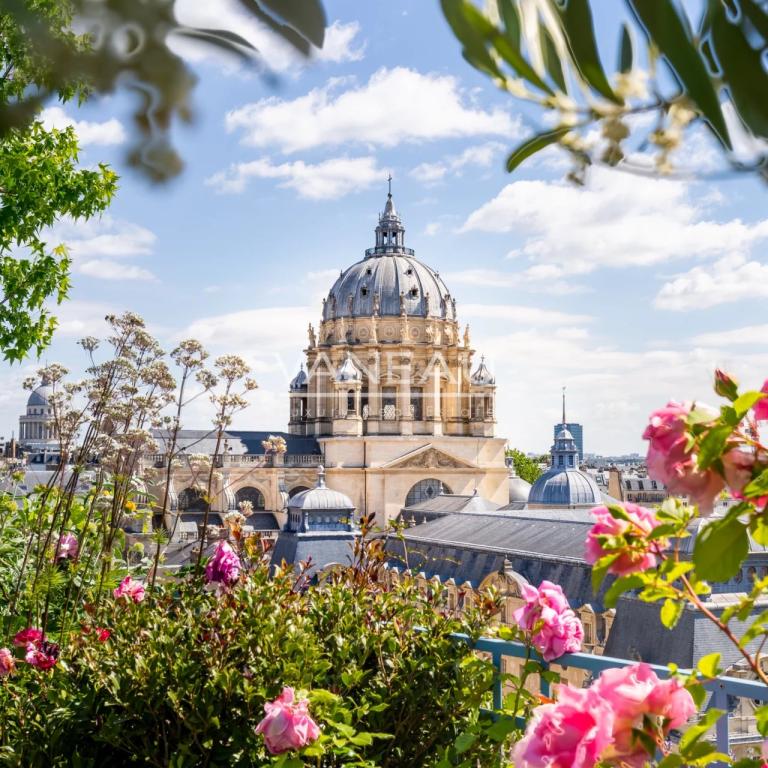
[743, 70]
[576, 18]
[625, 50]
[665, 27]
[712, 445]
[600, 569]
[709, 665]
[473, 30]
[758, 487]
[508, 13]
[721, 547]
[620, 586]
[534, 145]
[746, 401]
[501, 729]
[671, 612]
[695, 732]
[761, 719]
[672, 760]
[551, 59]
[464, 742]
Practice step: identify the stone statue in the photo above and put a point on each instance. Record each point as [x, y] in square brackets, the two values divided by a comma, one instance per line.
[402, 303]
[312, 337]
[350, 300]
[376, 303]
[466, 336]
[430, 333]
[448, 332]
[333, 307]
[374, 331]
[453, 304]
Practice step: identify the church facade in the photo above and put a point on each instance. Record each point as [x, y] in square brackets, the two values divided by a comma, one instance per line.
[391, 401]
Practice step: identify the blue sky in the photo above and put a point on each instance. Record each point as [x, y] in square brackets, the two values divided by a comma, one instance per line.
[629, 291]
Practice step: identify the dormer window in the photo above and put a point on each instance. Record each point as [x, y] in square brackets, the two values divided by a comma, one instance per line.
[409, 271]
[369, 271]
[414, 292]
[363, 291]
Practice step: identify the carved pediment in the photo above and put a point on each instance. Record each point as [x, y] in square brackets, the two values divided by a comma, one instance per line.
[430, 457]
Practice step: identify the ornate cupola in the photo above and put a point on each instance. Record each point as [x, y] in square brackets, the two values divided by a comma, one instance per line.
[390, 234]
[482, 388]
[299, 410]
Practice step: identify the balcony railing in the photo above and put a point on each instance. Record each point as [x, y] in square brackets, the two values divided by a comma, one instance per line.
[721, 688]
[252, 460]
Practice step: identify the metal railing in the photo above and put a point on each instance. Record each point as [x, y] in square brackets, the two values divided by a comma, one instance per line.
[389, 249]
[721, 688]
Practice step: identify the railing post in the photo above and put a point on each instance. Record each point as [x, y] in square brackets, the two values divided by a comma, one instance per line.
[720, 701]
[497, 688]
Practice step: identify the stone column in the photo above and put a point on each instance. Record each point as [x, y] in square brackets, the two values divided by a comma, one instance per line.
[404, 396]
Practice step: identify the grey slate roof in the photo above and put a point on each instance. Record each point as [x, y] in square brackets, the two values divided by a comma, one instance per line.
[638, 633]
[539, 544]
[564, 486]
[321, 548]
[240, 441]
[262, 521]
[447, 504]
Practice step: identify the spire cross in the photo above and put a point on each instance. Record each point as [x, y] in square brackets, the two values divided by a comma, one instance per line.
[389, 183]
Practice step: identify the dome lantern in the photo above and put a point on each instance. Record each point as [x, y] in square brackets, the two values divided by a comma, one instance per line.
[390, 234]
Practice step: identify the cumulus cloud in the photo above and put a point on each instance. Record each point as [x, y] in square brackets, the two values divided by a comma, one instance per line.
[541, 278]
[394, 106]
[102, 133]
[327, 180]
[751, 335]
[341, 39]
[481, 156]
[534, 316]
[729, 279]
[98, 245]
[618, 220]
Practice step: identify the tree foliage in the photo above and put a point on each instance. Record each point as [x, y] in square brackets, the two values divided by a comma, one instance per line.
[525, 467]
[674, 74]
[125, 46]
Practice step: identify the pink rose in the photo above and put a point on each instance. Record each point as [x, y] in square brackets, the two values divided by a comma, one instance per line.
[738, 464]
[639, 554]
[67, 547]
[546, 614]
[637, 697]
[571, 733]
[760, 408]
[128, 588]
[43, 655]
[29, 635]
[224, 566]
[287, 724]
[7, 662]
[671, 462]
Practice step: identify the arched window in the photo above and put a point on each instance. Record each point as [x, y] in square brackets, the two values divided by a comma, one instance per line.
[425, 490]
[297, 489]
[193, 500]
[254, 495]
[351, 401]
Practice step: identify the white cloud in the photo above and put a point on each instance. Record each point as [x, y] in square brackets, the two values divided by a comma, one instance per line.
[531, 316]
[482, 155]
[394, 106]
[752, 335]
[104, 133]
[729, 279]
[341, 39]
[96, 246]
[106, 269]
[542, 278]
[341, 43]
[329, 179]
[617, 220]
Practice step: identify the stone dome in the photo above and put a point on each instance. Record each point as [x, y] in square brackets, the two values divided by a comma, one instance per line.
[389, 281]
[482, 376]
[321, 498]
[519, 489]
[39, 397]
[559, 487]
[348, 371]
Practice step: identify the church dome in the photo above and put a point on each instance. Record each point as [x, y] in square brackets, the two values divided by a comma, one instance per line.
[39, 397]
[299, 381]
[482, 376]
[519, 489]
[321, 498]
[389, 280]
[559, 487]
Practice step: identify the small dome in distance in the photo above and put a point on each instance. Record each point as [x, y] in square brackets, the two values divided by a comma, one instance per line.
[519, 489]
[299, 381]
[321, 498]
[482, 376]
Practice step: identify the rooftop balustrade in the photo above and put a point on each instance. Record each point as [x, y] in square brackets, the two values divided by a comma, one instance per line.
[723, 689]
